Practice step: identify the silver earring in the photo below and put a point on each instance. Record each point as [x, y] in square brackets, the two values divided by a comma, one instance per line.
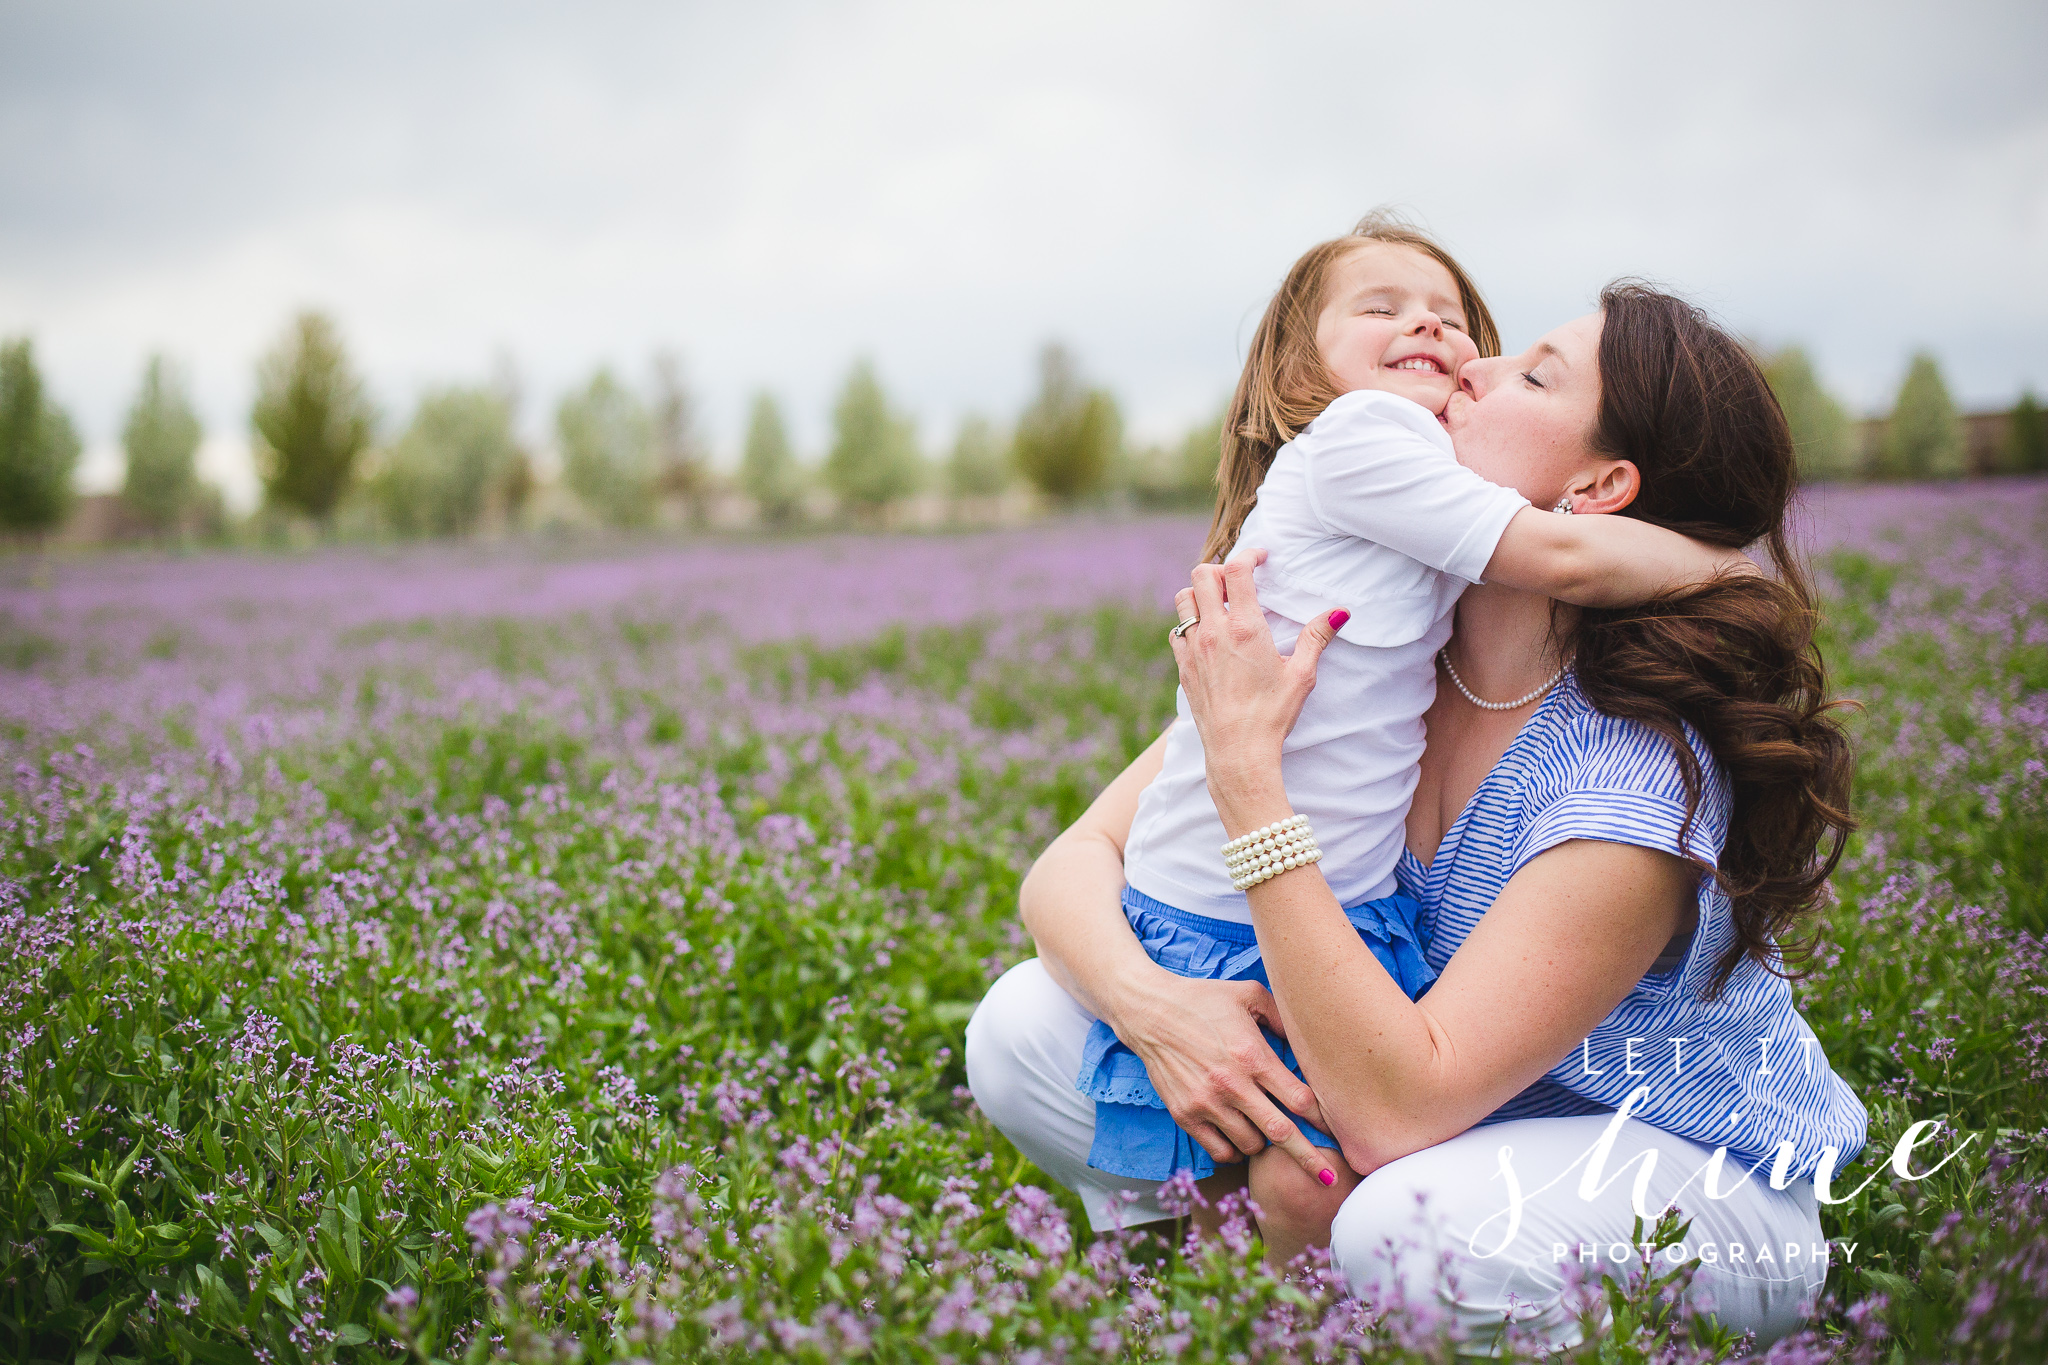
[1564, 505]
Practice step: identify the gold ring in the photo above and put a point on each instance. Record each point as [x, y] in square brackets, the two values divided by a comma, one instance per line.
[1186, 626]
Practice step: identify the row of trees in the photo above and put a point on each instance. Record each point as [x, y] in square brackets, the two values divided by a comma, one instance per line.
[1922, 438]
[459, 466]
[1067, 444]
[626, 455]
[620, 456]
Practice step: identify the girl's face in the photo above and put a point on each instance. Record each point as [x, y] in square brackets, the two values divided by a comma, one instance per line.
[1526, 421]
[1392, 321]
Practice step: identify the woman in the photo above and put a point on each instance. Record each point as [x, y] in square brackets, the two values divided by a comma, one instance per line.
[1608, 856]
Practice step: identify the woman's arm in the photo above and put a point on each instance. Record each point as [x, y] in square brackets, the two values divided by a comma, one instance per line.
[1200, 1040]
[1072, 901]
[1573, 931]
[1570, 936]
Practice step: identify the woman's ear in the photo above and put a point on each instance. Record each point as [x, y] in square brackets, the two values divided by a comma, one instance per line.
[1609, 487]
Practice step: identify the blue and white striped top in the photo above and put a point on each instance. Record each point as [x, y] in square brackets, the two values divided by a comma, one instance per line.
[1574, 773]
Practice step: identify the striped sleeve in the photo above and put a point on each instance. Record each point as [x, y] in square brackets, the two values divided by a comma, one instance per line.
[1622, 784]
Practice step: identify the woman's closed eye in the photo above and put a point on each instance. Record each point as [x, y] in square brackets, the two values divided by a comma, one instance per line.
[1534, 382]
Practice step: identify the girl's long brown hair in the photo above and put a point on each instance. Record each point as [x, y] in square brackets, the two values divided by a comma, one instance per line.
[1285, 384]
[1687, 404]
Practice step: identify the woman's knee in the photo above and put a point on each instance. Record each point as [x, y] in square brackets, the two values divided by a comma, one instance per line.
[1386, 1237]
[1017, 1039]
[996, 1034]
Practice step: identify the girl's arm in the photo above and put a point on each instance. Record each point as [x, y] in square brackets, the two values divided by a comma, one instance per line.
[1374, 468]
[1200, 1040]
[1571, 934]
[1604, 561]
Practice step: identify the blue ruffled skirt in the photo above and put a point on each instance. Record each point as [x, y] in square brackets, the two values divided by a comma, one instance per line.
[1134, 1135]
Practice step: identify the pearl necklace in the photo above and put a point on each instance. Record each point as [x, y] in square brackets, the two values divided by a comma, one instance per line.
[1445, 655]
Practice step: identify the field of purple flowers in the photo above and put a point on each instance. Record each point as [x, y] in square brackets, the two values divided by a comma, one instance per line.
[464, 951]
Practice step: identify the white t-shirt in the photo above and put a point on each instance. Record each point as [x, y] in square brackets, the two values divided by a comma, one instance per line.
[1367, 509]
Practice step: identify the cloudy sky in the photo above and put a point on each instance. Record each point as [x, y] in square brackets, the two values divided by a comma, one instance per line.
[772, 188]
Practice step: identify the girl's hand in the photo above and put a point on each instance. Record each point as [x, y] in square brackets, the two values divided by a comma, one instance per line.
[1244, 695]
[1219, 1077]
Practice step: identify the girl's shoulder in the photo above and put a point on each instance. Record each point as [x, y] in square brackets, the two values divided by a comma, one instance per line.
[1367, 414]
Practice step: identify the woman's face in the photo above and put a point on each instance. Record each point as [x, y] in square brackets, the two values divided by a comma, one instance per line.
[1526, 421]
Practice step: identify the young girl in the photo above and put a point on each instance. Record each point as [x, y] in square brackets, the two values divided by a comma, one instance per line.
[1335, 464]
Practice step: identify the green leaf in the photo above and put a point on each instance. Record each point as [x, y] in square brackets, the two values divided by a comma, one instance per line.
[352, 1233]
[327, 1242]
[252, 1311]
[111, 1321]
[352, 1334]
[85, 1182]
[127, 1166]
[91, 1240]
[175, 1176]
[479, 1157]
[126, 1235]
[218, 1299]
[211, 1352]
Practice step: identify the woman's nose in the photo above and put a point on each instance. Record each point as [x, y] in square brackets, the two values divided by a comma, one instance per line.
[1476, 377]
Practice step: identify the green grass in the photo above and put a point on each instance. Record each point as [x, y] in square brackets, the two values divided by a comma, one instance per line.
[273, 1028]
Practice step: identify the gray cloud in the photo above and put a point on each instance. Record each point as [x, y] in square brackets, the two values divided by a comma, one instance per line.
[776, 187]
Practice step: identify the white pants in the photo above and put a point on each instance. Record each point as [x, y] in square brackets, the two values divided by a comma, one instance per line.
[1433, 1230]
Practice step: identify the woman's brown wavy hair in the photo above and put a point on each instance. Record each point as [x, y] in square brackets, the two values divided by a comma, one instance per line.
[1285, 383]
[1686, 403]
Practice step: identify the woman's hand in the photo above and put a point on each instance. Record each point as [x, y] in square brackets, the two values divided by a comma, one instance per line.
[1244, 695]
[1208, 1060]
[1200, 1040]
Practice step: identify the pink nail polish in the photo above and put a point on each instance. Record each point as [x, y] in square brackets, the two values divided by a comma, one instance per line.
[1338, 618]
[1327, 1177]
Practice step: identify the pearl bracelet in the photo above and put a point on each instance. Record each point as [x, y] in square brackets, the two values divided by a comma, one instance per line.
[1265, 853]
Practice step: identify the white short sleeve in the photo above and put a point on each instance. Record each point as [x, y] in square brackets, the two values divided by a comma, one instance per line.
[1380, 468]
